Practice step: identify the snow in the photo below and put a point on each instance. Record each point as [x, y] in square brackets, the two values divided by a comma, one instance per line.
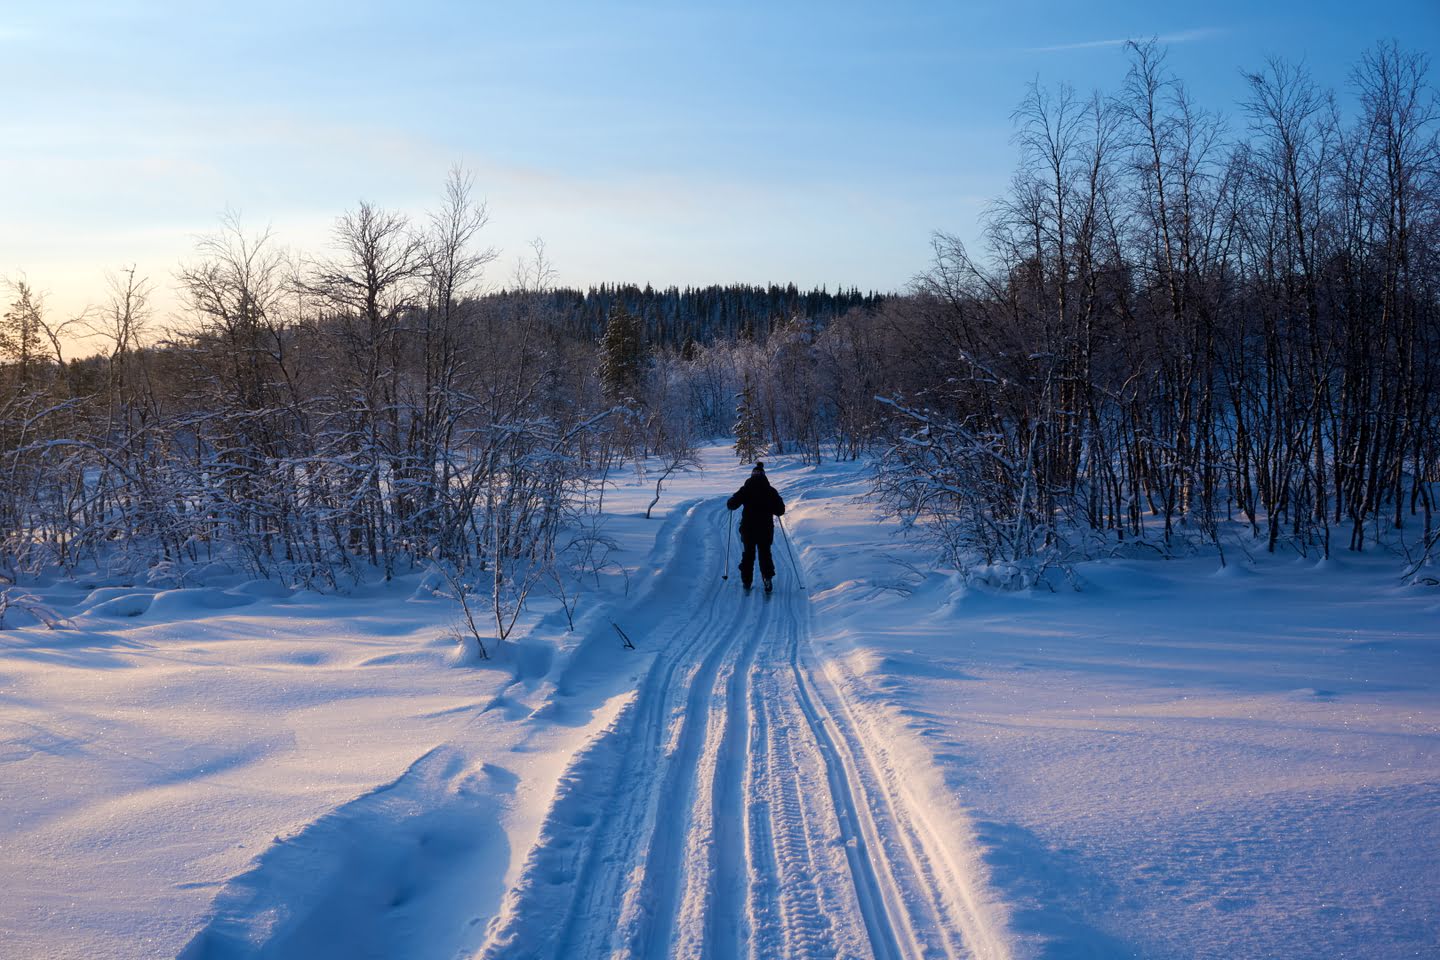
[1173, 760]
[1176, 760]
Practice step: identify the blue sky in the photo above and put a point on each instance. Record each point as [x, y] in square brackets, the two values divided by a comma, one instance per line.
[649, 142]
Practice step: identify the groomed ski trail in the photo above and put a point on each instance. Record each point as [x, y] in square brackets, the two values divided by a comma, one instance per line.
[737, 808]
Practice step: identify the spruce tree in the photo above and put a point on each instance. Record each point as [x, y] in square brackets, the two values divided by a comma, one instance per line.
[20, 332]
[749, 431]
[622, 356]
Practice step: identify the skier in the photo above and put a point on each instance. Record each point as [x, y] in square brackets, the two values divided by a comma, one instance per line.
[762, 504]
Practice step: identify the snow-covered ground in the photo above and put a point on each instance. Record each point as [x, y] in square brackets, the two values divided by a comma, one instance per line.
[1172, 761]
[1176, 760]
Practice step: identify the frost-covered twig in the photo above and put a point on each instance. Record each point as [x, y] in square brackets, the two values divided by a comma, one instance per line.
[33, 606]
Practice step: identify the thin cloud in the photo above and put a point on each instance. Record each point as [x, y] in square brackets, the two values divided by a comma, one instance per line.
[1170, 39]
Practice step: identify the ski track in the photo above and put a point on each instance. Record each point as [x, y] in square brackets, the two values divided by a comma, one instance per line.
[737, 807]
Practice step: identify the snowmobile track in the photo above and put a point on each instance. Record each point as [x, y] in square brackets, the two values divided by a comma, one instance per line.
[736, 807]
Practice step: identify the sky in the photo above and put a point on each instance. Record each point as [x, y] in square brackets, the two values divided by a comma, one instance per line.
[647, 142]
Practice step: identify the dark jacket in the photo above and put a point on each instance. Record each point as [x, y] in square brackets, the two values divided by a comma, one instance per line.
[762, 504]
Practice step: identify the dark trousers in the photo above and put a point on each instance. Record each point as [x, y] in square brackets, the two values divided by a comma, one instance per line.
[747, 561]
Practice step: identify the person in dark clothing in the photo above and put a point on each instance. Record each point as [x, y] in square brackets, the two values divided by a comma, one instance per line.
[762, 504]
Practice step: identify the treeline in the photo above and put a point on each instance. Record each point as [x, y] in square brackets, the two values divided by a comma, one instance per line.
[1186, 320]
[675, 316]
[317, 419]
[323, 417]
[1183, 325]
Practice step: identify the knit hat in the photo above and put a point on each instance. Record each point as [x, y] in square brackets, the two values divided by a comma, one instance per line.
[759, 467]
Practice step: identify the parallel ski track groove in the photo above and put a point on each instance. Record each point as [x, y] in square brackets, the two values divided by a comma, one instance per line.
[651, 922]
[946, 919]
[874, 905]
[800, 841]
[753, 861]
[726, 925]
[762, 898]
[639, 732]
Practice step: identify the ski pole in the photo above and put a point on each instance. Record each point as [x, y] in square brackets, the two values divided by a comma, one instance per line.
[791, 553]
[729, 531]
